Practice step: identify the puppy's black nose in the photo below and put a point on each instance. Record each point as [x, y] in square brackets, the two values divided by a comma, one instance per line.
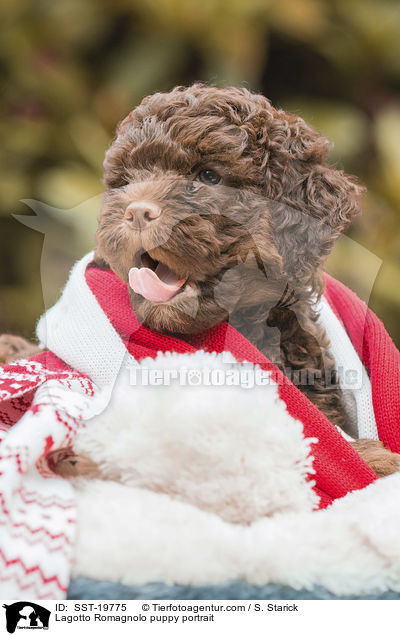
[142, 213]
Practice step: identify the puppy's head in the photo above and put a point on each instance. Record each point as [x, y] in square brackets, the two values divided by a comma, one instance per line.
[214, 202]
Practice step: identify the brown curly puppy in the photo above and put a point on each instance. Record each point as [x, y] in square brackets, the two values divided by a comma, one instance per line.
[235, 199]
[232, 205]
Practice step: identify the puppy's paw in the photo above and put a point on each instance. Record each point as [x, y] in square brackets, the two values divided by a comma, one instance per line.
[66, 463]
[15, 348]
[381, 459]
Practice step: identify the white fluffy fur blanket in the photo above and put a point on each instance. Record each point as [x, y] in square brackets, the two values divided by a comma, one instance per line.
[179, 485]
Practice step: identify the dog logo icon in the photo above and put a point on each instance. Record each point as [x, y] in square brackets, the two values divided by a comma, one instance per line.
[26, 615]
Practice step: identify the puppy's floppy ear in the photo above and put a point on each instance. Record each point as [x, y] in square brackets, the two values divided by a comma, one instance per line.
[113, 164]
[312, 203]
[114, 161]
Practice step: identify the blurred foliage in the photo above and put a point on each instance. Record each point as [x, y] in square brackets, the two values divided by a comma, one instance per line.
[70, 69]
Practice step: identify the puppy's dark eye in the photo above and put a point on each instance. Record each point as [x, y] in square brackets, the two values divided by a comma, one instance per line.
[210, 177]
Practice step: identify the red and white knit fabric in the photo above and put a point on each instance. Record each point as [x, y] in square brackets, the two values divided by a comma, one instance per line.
[43, 400]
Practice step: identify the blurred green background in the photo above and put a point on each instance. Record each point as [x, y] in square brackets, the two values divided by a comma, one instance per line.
[71, 69]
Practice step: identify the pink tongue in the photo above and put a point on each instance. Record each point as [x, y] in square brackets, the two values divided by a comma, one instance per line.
[158, 286]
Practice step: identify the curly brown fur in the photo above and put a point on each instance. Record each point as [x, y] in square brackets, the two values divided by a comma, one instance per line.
[380, 458]
[268, 225]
